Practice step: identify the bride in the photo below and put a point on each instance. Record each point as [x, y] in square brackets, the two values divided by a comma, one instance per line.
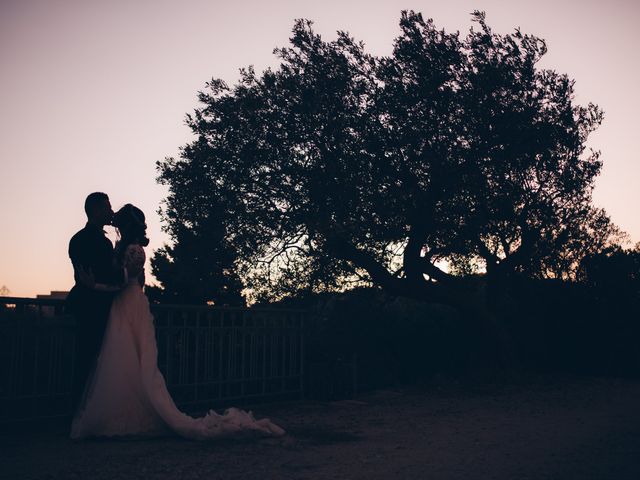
[127, 394]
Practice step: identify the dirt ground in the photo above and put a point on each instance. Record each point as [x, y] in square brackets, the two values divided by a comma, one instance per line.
[550, 428]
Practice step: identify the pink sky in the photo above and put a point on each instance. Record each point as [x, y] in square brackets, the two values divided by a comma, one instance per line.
[92, 93]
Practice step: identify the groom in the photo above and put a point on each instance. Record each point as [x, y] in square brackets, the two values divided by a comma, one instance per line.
[96, 282]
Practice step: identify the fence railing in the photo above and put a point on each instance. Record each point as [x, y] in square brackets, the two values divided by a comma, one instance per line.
[210, 356]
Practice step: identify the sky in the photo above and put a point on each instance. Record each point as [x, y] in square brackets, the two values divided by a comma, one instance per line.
[93, 93]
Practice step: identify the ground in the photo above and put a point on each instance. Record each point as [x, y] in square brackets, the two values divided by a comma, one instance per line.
[549, 428]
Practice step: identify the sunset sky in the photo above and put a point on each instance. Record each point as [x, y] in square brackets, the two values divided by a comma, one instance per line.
[93, 93]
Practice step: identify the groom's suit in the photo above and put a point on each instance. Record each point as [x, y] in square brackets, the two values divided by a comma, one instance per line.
[92, 250]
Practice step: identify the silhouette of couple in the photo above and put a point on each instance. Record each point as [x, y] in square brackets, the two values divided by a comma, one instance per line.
[118, 389]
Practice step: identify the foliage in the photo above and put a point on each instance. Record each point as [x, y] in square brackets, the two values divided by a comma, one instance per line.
[613, 273]
[199, 267]
[340, 168]
[391, 339]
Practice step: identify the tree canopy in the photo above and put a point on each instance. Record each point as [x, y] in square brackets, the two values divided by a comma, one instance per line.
[342, 167]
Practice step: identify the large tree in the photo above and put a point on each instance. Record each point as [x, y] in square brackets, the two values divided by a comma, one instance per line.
[339, 166]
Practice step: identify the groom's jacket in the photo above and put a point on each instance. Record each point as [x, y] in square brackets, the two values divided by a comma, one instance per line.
[91, 249]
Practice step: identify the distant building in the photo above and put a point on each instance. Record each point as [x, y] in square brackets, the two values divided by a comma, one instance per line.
[50, 311]
[54, 295]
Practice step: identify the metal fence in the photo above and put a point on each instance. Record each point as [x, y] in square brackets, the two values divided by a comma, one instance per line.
[210, 356]
[222, 354]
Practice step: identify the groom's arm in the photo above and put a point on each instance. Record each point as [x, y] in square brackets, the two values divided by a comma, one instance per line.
[81, 261]
[86, 278]
[119, 280]
[80, 252]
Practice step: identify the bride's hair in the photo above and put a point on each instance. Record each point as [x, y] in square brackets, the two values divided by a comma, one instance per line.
[130, 222]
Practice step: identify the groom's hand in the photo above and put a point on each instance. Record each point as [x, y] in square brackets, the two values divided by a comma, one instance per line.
[86, 277]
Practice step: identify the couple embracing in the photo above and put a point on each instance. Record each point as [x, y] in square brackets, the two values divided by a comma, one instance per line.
[118, 389]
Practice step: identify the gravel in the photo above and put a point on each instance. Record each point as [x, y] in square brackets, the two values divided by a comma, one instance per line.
[547, 428]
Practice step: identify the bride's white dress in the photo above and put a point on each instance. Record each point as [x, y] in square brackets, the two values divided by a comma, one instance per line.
[127, 394]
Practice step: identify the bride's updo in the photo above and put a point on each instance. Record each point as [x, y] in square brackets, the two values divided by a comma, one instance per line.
[130, 222]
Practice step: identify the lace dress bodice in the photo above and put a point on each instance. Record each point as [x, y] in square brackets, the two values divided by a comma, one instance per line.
[133, 261]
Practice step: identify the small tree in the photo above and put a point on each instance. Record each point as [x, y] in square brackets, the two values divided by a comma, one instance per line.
[199, 267]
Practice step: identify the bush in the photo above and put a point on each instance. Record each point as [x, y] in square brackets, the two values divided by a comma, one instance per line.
[391, 339]
[374, 340]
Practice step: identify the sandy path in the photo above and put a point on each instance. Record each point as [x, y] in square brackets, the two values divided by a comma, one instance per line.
[556, 429]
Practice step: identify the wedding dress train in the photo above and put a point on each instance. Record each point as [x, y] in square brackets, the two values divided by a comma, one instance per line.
[127, 394]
